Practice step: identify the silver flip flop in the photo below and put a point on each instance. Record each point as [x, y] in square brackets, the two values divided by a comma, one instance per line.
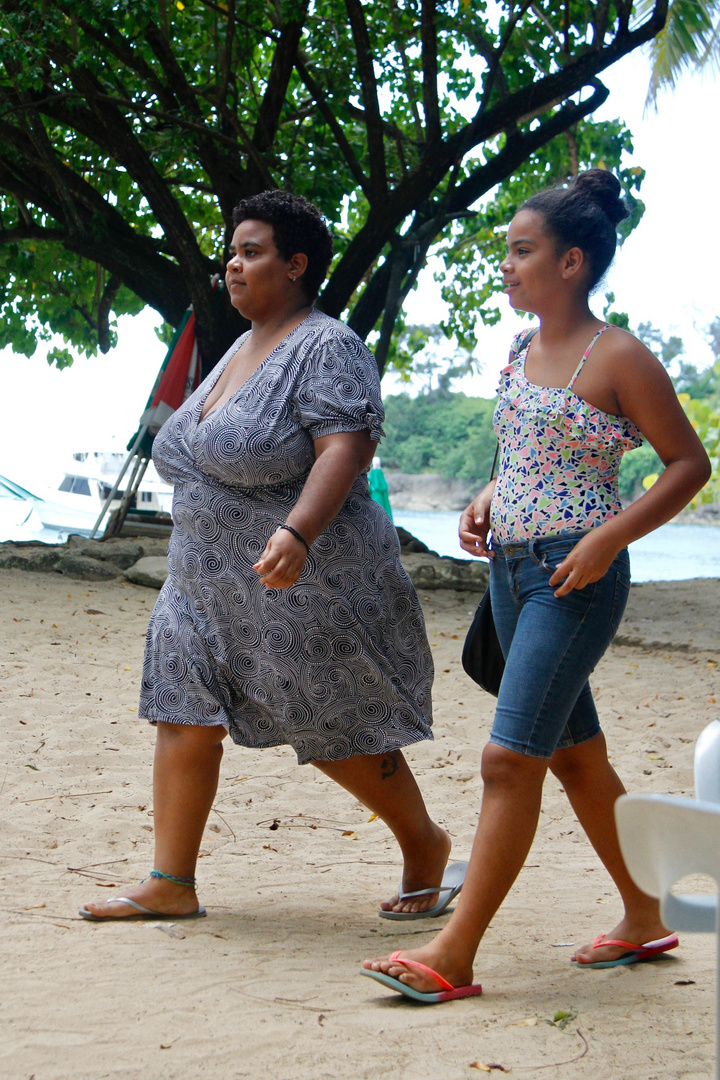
[452, 883]
[141, 913]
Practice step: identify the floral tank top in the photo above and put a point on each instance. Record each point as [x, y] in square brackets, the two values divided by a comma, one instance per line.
[559, 455]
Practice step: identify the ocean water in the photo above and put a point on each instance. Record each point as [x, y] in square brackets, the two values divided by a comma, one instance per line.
[671, 553]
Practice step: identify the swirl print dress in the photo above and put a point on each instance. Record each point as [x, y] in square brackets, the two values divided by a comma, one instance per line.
[336, 665]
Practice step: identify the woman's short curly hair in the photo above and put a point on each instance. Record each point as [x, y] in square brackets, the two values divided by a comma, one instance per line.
[584, 213]
[298, 227]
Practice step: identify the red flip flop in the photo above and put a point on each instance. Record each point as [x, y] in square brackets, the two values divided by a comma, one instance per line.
[448, 992]
[636, 954]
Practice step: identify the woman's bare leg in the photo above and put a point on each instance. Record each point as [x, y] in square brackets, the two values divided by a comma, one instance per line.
[385, 784]
[185, 779]
[512, 796]
[593, 786]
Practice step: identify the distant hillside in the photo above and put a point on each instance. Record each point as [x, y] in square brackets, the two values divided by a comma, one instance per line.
[449, 434]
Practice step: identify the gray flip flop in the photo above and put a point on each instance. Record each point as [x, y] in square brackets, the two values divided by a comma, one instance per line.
[452, 883]
[141, 913]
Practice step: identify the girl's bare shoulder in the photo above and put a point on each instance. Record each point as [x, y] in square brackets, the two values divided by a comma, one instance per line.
[626, 358]
[619, 342]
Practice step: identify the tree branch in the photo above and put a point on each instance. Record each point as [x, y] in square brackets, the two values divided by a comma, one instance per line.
[428, 33]
[368, 84]
[517, 149]
[112, 287]
[332, 122]
[99, 231]
[281, 69]
[407, 72]
[225, 70]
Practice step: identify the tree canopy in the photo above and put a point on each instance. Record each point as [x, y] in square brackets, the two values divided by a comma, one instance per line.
[130, 128]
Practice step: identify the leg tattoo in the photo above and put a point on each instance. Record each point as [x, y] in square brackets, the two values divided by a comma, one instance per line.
[389, 766]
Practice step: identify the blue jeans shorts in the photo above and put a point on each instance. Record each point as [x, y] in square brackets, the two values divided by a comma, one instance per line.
[550, 645]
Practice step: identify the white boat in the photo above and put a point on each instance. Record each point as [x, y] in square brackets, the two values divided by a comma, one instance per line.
[91, 475]
[19, 519]
[84, 486]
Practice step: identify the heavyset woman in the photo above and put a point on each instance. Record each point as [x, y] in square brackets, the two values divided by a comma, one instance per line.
[286, 617]
[574, 396]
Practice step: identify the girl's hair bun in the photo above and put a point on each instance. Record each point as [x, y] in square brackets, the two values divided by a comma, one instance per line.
[584, 213]
[602, 188]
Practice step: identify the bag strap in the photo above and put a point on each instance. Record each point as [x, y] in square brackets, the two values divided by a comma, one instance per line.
[492, 471]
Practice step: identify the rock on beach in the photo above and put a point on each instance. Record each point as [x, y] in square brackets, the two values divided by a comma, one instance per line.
[143, 561]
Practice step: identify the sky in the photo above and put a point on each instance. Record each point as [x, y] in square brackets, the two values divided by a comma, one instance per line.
[666, 273]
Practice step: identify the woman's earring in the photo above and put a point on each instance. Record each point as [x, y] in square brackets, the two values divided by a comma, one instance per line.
[292, 277]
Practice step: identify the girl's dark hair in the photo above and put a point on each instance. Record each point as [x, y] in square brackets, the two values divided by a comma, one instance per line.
[298, 227]
[584, 213]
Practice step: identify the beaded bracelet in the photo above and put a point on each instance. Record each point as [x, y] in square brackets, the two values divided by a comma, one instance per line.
[296, 534]
[177, 880]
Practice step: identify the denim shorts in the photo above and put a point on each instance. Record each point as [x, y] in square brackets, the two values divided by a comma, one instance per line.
[551, 645]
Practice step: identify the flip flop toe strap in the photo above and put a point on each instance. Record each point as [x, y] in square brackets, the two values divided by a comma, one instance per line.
[417, 966]
[629, 945]
[660, 945]
[424, 892]
[130, 903]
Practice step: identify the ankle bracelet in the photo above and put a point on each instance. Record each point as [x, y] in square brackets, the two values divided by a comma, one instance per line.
[176, 880]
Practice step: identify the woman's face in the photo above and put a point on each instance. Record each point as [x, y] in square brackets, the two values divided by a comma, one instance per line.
[532, 268]
[257, 278]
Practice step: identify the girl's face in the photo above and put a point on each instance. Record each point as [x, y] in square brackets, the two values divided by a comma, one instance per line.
[532, 268]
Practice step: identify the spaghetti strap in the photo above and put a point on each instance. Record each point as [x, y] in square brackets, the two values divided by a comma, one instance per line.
[585, 355]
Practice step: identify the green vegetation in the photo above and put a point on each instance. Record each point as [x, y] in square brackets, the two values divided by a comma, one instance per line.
[440, 432]
[690, 40]
[130, 128]
[699, 394]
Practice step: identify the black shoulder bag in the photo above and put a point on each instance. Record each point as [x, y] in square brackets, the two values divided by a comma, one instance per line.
[482, 656]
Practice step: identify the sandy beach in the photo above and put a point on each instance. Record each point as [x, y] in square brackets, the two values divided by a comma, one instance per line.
[292, 870]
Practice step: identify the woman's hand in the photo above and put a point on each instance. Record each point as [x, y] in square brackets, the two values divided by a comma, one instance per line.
[589, 560]
[475, 524]
[282, 561]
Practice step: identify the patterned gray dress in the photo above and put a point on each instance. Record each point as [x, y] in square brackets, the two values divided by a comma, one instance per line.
[336, 665]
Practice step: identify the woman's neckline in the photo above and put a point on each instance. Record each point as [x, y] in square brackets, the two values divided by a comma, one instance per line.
[261, 365]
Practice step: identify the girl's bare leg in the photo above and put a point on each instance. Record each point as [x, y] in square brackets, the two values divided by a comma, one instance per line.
[508, 819]
[593, 786]
[185, 779]
[385, 784]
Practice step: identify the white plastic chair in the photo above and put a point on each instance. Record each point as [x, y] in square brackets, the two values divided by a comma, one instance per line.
[707, 764]
[662, 839]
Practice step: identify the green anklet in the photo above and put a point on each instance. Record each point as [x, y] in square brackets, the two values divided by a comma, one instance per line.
[177, 880]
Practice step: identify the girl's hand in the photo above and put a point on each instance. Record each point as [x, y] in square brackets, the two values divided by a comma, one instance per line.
[475, 524]
[589, 560]
[282, 561]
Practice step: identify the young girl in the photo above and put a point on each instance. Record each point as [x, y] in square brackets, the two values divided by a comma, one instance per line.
[574, 396]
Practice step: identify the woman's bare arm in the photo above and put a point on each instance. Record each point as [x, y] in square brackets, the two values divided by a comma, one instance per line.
[339, 459]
